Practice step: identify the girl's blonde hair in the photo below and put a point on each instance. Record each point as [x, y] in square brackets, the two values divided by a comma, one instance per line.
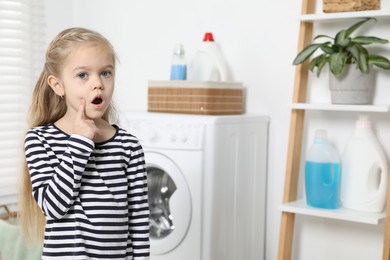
[47, 107]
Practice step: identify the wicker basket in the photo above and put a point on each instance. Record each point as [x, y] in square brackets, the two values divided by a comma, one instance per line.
[335, 6]
[190, 97]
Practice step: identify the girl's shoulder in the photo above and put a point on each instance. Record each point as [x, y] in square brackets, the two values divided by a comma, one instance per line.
[125, 135]
[41, 128]
[48, 128]
[46, 131]
[123, 132]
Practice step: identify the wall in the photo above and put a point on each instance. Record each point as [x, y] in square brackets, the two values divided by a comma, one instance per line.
[258, 39]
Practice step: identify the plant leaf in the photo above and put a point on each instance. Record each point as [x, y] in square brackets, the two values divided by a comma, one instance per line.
[379, 61]
[342, 39]
[318, 62]
[363, 62]
[355, 52]
[326, 49]
[369, 40]
[321, 65]
[362, 49]
[337, 63]
[306, 53]
[351, 29]
[314, 62]
[322, 36]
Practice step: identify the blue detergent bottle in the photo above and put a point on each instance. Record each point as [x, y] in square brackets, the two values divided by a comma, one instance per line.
[178, 64]
[322, 173]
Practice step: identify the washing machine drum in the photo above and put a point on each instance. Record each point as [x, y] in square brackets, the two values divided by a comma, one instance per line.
[169, 202]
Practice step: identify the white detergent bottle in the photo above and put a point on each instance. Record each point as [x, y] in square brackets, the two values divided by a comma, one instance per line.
[364, 170]
[208, 63]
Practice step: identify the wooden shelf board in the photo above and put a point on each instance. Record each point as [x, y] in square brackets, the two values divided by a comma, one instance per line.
[300, 207]
[334, 17]
[332, 107]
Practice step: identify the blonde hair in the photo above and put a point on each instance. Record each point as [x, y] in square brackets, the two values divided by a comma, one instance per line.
[47, 107]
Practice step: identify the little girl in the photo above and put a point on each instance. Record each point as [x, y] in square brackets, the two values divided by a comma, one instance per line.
[85, 185]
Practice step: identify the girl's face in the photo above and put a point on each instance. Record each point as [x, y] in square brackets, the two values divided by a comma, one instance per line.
[88, 74]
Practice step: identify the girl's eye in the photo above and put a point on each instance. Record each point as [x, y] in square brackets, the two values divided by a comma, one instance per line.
[106, 74]
[82, 75]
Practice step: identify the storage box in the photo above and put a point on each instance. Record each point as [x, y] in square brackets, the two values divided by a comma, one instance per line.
[196, 97]
[334, 6]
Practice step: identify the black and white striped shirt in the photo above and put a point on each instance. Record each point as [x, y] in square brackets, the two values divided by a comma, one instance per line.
[94, 195]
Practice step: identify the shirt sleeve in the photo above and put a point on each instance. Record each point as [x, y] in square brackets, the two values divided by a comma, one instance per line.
[56, 184]
[138, 204]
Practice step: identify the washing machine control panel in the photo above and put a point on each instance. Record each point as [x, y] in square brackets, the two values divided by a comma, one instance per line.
[167, 135]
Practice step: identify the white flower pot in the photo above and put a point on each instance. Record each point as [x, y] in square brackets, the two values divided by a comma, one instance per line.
[353, 87]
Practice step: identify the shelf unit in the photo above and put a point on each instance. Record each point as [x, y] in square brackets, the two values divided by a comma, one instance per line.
[291, 205]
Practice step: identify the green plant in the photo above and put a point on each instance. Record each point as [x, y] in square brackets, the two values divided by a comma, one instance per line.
[343, 50]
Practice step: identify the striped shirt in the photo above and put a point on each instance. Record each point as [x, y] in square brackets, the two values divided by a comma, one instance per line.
[94, 195]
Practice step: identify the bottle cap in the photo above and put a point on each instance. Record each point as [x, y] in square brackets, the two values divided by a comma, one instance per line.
[363, 121]
[320, 136]
[179, 49]
[208, 37]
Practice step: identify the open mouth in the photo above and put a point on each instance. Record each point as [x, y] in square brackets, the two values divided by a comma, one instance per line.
[97, 101]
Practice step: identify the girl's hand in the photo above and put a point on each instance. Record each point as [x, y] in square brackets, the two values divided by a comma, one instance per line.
[84, 126]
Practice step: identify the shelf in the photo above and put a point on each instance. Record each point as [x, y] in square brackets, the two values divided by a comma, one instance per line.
[300, 207]
[312, 19]
[334, 17]
[332, 107]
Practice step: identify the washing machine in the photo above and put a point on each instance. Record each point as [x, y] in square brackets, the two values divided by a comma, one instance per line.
[207, 184]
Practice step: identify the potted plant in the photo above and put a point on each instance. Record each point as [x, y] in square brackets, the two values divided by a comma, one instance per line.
[347, 58]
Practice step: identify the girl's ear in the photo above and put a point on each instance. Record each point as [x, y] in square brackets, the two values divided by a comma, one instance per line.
[56, 85]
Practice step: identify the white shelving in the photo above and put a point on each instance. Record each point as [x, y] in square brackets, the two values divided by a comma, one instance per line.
[332, 107]
[300, 207]
[311, 15]
[335, 17]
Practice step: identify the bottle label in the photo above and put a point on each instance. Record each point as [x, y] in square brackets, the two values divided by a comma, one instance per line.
[178, 72]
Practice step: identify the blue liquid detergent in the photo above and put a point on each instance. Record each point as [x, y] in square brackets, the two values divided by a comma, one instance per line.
[178, 72]
[322, 181]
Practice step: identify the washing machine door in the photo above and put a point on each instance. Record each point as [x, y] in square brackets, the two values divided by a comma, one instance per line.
[169, 201]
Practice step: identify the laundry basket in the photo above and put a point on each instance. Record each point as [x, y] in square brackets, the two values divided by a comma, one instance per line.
[196, 97]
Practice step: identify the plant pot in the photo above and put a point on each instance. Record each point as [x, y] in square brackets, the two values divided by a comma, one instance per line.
[353, 87]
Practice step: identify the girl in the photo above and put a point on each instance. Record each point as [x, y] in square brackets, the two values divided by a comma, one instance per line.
[87, 177]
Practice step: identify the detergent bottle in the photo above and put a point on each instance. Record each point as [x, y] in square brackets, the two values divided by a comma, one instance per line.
[322, 173]
[364, 170]
[178, 64]
[208, 63]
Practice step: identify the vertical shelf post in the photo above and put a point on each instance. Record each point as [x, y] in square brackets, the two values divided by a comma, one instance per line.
[386, 239]
[295, 138]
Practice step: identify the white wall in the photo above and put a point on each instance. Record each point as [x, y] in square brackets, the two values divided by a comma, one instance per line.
[259, 40]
